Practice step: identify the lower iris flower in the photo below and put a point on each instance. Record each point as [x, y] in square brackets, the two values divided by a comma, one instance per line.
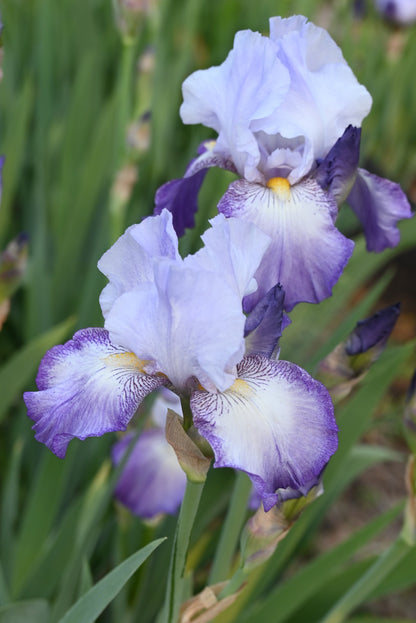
[152, 481]
[179, 323]
[287, 110]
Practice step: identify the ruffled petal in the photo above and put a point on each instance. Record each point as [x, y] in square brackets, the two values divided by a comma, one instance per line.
[189, 323]
[180, 196]
[265, 324]
[236, 246]
[324, 96]
[152, 481]
[379, 204]
[336, 172]
[308, 253]
[88, 387]
[238, 98]
[131, 258]
[276, 423]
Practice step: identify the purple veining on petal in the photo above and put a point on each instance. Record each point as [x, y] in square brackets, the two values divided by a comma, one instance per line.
[265, 324]
[180, 196]
[379, 204]
[152, 481]
[307, 254]
[88, 387]
[276, 423]
[372, 331]
[336, 172]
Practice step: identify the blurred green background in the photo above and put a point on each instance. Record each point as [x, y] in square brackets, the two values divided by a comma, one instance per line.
[90, 127]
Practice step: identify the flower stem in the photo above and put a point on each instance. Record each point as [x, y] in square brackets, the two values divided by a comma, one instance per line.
[231, 529]
[176, 580]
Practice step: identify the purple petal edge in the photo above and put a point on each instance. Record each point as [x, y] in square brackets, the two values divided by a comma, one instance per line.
[379, 204]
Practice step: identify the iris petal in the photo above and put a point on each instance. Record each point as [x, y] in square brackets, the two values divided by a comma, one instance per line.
[275, 423]
[88, 387]
[307, 254]
[379, 204]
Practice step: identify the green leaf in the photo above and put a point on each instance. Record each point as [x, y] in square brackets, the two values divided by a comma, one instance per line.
[38, 517]
[90, 606]
[16, 374]
[36, 611]
[292, 594]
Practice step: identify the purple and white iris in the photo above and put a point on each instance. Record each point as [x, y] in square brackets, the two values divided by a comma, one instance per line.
[287, 110]
[179, 323]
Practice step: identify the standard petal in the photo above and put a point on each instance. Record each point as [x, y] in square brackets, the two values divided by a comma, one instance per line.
[238, 98]
[379, 204]
[324, 96]
[308, 253]
[130, 260]
[276, 423]
[88, 387]
[189, 323]
[152, 481]
[237, 246]
[180, 196]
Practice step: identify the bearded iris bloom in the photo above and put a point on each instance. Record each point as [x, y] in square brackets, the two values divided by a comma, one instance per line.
[179, 323]
[287, 110]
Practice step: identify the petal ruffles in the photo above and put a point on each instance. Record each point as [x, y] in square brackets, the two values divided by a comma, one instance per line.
[88, 387]
[276, 423]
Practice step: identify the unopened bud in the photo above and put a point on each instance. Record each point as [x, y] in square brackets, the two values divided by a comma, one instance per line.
[348, 363]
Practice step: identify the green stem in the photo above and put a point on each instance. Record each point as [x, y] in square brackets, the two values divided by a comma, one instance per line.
[175, 584]
[361, 590]
[231, 530]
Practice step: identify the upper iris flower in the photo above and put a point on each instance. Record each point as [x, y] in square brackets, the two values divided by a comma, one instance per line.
[179, 323]
[288, 110]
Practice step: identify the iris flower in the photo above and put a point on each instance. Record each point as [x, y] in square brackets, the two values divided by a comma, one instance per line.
[287, 110]
[179, 323]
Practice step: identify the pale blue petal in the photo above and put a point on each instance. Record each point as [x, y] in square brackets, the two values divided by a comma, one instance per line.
[231, 98]
[324, 96]
[131, 259]
[189, 324]
[276, 423]
[237, 247]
